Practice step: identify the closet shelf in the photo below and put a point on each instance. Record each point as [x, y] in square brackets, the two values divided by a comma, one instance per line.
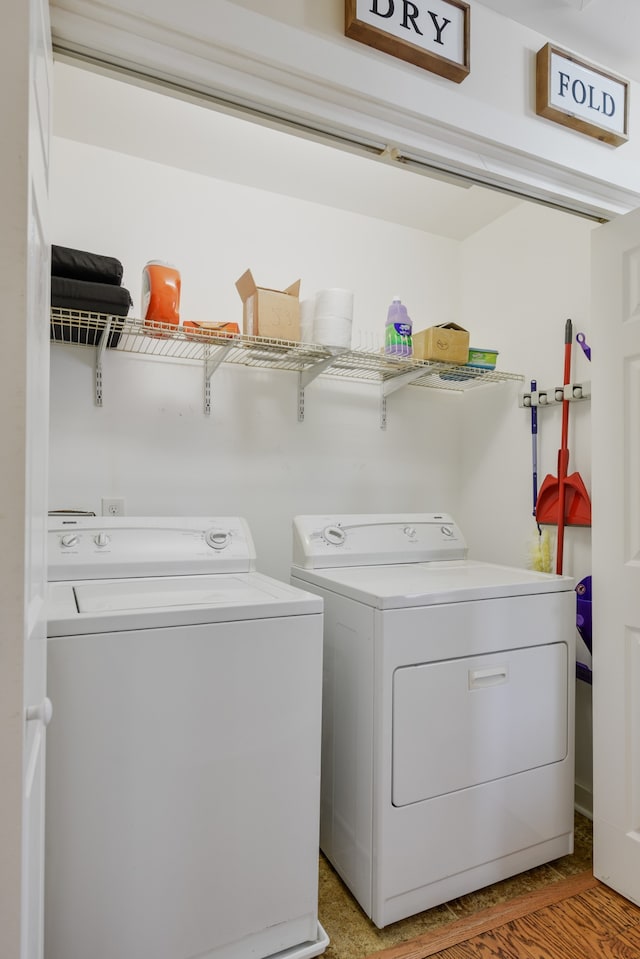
[125, 334]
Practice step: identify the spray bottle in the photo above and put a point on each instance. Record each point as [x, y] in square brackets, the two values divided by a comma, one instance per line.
[398, 329]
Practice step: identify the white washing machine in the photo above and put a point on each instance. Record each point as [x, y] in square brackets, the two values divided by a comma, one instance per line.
[183, 757]
[448, 710]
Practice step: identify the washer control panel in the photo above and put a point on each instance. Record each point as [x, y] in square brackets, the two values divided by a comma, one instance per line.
[374, 540]
[97, 547]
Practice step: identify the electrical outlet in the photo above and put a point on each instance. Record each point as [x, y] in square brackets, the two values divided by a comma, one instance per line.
[112, 506]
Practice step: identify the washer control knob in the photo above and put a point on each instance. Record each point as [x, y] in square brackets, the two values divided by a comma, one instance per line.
[410, 531]
[217, 539]
[447, 530]
[334, 535]
[69, 540]
[102, 539]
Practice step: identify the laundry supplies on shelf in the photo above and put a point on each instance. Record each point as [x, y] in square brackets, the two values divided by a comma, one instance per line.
[81, 265]
[482, 359]
[333, 317]
[446, 343]
[398, 330]
[161, 285]
[269, 312]
[91, 283]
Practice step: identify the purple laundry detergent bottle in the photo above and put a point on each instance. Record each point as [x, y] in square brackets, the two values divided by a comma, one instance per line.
[398, 330]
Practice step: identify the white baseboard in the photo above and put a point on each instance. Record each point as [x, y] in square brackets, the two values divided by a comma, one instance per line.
[583, 801]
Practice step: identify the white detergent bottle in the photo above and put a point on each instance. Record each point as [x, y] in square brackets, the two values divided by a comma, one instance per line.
[398, 330]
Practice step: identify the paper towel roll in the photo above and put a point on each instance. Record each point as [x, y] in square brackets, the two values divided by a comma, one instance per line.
[333, 317]
[307, 309]
[332, 331]
[334, 302]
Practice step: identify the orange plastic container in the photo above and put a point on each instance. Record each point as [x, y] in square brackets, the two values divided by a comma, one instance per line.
[200, 330]
[160, 297]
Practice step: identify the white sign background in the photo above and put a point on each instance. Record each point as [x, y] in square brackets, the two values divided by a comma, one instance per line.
[452, 36]
[588, 78]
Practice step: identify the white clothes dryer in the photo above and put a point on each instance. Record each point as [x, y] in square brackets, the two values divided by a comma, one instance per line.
[183, 757]
[448, 710]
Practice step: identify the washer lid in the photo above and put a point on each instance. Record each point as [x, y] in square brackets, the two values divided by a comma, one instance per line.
[89, 606]
[427, 584]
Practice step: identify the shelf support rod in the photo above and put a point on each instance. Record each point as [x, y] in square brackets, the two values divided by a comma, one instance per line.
[391, 385]
[211, 363]
[305, 377]
[383, 410]
[397, 382]
[100, 348]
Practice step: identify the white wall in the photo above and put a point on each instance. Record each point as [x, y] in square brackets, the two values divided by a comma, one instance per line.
[291, 59]
[512, 285]
[151, 442]
[524, 276]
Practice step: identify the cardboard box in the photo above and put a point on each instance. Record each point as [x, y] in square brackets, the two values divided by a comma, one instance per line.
[270, 313]
[447, 343]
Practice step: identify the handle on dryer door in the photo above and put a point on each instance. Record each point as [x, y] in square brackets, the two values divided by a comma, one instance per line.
[493, 676]
[43, 711]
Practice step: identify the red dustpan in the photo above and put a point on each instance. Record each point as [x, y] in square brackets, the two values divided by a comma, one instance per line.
[563, 500]
[577, 505]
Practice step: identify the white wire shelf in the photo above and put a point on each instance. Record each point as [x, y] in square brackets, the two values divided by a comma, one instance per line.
[309, 360]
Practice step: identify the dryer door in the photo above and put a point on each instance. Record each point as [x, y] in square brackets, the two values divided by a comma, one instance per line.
[461, 722]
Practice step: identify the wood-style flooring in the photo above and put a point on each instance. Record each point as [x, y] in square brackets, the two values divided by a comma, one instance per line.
[353, 936]
[576, 918]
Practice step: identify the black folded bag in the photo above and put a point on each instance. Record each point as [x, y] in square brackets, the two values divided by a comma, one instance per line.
[81, 265]
[103, 298]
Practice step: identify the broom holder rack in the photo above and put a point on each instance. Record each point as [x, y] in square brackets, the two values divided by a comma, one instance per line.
[573, 392]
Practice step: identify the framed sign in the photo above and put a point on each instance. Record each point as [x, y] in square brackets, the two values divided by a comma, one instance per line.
[432, 34]
[578, 95]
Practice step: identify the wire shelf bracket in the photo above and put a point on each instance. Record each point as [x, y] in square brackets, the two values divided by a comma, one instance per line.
[211, 363]
[390, 386]
[307, 376]
[100, 348]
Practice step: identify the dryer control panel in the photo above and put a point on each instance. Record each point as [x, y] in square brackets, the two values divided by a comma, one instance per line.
[98, 547]
[321, 542]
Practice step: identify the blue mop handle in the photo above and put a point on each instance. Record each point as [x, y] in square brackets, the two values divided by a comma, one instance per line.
[534, 446]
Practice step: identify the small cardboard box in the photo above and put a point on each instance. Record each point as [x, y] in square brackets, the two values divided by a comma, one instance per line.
[271, 313]
[447, 343]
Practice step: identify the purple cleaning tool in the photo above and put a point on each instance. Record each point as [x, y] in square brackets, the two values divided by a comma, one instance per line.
[586, 349]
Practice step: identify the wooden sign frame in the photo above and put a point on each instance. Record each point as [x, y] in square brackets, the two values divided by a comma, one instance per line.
[411, 52]
[590, 99]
